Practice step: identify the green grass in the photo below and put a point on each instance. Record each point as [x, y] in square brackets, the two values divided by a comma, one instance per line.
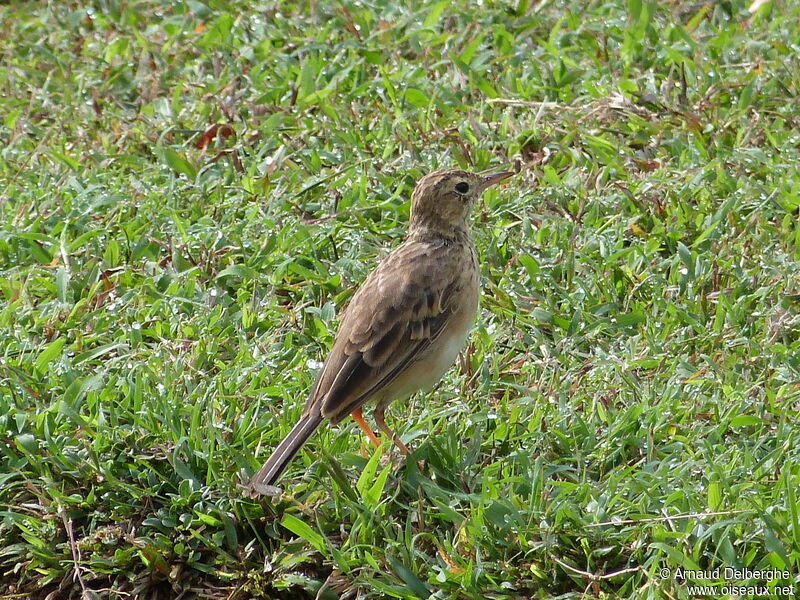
[629, 400]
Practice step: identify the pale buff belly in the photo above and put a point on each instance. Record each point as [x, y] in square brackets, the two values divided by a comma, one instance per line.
[439, 357]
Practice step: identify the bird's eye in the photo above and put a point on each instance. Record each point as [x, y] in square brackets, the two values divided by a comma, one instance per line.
[462, 187]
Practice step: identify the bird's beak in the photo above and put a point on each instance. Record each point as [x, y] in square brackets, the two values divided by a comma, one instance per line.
[490, 180]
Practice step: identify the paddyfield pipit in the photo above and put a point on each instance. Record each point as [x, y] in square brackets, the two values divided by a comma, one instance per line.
[406, 324]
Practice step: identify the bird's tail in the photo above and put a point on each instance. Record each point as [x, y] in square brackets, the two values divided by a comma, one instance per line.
[280, 458]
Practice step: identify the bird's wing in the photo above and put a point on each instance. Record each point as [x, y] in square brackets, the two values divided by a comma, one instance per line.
[401, 308]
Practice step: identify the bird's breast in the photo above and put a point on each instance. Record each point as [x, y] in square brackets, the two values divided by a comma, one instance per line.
[429, 367]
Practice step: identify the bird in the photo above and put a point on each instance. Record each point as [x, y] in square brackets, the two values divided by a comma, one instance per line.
[405, 325]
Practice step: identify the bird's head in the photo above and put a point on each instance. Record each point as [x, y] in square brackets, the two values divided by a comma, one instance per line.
[444, 199]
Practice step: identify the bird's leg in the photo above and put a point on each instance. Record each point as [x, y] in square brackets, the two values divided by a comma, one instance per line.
[358, 417]
[380, 410]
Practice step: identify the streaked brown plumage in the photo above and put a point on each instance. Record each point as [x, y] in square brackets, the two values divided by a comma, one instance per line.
[406, 324]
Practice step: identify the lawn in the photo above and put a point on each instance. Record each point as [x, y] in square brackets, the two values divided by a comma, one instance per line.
[190, 192]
